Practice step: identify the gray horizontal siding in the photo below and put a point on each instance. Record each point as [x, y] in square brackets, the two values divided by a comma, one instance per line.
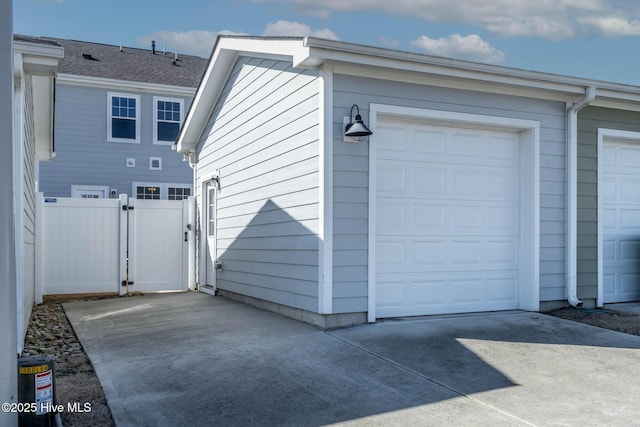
[28, 209]
[589, 120]
[351, 175]
[85, 157]
[263, 139]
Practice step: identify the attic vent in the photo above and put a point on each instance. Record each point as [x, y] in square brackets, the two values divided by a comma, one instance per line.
[89, 57]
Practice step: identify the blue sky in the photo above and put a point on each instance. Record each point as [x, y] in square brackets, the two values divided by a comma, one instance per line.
[598, 39]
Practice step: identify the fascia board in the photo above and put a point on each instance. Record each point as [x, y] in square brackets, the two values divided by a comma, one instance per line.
[458, 83]
[38, 49]
[495, 76]
[354, 56]
[42, 90]
[223, 58]
[123, 85]
[38, 59]
[612, 98]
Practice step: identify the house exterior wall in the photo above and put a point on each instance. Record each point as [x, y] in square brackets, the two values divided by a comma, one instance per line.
[262, 137]
[350, 160]
[84, 156]
[28, 231]
[589, 120]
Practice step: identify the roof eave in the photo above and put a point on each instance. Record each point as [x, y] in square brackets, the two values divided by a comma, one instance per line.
[223, 57]
[310, 52]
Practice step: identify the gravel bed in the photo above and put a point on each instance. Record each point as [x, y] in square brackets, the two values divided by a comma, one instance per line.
[50, 332]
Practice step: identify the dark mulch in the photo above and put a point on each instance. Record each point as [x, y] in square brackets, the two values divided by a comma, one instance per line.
[603, 318]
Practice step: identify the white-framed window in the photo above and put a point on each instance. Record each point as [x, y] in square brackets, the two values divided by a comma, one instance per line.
[123, 111]
[167, 117]
[89, 191]
[211, 210]
[147, 192]
[178, 193]
[155, 163]
[161, 191]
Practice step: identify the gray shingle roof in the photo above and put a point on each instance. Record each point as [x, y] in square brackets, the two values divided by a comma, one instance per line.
[130, 64]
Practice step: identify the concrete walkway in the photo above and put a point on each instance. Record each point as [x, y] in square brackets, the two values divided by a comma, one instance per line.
[195, 360]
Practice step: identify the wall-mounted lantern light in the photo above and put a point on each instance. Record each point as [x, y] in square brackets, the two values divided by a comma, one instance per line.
[355, 129]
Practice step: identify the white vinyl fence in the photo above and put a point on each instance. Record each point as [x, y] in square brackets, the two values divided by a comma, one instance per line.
[97, 245]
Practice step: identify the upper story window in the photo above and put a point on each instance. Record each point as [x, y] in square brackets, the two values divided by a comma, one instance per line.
[124, 117]
[167, 113]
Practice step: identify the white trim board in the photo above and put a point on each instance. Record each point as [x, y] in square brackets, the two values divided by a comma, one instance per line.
[325, 182]
[529, 291]
[123, 85]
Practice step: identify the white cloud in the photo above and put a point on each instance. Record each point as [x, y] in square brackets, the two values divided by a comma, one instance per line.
[611, 26]
[197, 43]
[288, 28]
[470, 47]
[549, 19]
[201, 42]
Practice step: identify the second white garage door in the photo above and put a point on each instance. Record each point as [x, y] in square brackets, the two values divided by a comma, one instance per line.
[447, 219]
[620, 192]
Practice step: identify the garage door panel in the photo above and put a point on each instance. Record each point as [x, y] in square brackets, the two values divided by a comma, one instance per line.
[429, 181]
[502, 218]
[630, 188]
[501, 183]
[466, 218]
[502, 253]
[392, 180]
[466, 144]
[464, 253]
[503, 148]
[427, 254]
[411, 218]
[392, 138]
[629, 220]
[628, 156]
[620, 191]
[445, 256]
[429, 218]
[430, 141]
[459, 292]
[447, 221]
[391, 217]
[391, 255]
[630, 250]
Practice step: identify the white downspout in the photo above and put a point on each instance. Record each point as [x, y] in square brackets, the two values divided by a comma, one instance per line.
[572, 194]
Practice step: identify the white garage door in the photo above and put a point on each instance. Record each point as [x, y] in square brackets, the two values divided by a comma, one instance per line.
[620, 192]
[447, 219]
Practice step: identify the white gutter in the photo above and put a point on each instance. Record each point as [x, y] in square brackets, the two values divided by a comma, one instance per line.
[572, 194]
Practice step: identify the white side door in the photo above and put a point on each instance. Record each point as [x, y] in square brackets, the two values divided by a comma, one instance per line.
[209, 230]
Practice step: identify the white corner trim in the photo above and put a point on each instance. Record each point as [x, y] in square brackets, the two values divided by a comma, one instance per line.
[325, 166]
[605, 134]
[529, 289]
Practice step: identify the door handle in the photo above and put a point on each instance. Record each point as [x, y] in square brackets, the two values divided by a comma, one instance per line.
[186, 236]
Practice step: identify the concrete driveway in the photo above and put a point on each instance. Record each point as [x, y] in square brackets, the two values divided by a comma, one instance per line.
[195, 360]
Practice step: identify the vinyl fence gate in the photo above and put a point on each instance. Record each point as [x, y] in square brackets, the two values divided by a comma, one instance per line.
[82, 245]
